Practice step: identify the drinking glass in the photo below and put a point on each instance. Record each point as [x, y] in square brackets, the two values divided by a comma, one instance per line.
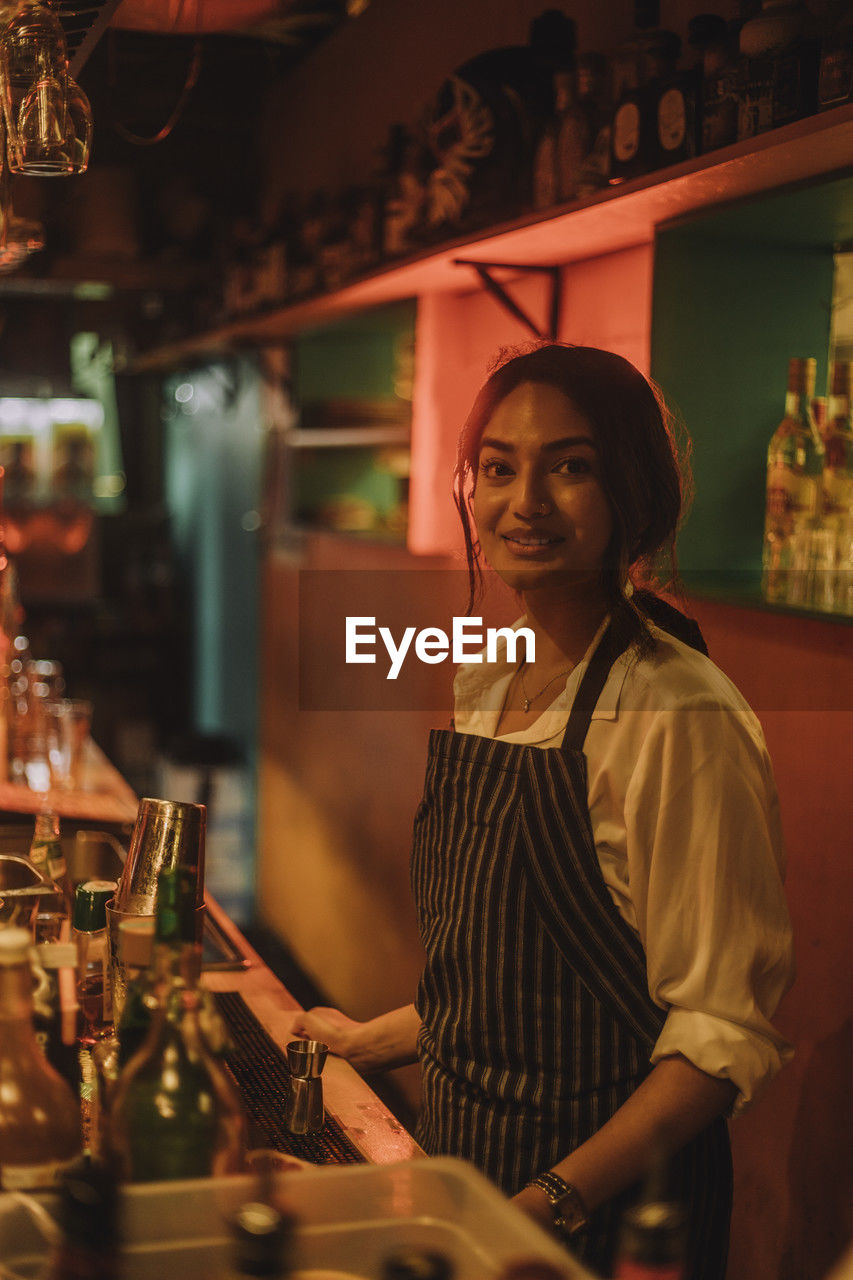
[69, 721]
[47, 115]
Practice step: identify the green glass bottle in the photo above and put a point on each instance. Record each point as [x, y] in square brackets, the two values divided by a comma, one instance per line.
[175, 1112]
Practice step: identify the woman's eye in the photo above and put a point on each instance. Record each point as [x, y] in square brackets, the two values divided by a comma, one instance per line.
[575, 466]
[494, 468]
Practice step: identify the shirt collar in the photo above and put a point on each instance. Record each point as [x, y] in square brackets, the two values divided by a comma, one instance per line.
[480, 689]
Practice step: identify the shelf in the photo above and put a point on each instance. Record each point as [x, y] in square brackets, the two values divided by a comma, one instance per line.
[347, 437]
[619, 218]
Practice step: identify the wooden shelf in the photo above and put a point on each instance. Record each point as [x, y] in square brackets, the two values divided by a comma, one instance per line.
[618, 218]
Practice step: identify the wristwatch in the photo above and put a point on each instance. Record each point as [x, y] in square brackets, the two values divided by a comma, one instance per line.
[570, 1215]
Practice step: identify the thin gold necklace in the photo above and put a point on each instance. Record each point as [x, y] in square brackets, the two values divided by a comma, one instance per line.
[527, 701]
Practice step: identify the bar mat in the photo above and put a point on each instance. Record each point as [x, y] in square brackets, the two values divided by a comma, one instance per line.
[260, 1071]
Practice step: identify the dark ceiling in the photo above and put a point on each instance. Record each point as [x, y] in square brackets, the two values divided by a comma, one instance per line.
[193, 186]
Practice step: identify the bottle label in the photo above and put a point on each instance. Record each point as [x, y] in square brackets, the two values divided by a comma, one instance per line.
[626, 132]
[38, 855]
[56, 864]
[29, 1177]
[672, 119]
[835, 84]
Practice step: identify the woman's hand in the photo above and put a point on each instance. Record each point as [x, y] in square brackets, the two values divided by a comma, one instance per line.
[377, 1045]
[331, 1027]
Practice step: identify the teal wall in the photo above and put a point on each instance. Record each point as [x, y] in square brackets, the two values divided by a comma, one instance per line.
[736, 294]
[213, 453]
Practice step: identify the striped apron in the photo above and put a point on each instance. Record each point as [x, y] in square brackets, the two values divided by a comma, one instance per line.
[536, 1019]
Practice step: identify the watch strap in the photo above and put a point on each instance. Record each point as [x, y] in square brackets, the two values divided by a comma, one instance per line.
[570, 1215]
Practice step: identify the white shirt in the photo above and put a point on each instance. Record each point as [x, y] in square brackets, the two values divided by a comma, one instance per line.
[685, 818]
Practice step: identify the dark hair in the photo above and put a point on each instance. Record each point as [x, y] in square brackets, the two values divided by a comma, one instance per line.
[644, 472]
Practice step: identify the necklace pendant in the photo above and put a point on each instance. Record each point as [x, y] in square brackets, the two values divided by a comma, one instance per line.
[526, 705]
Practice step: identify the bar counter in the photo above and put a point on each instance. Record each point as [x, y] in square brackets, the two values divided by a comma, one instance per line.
[363, 1125]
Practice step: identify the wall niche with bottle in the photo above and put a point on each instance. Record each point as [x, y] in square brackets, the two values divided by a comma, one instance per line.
[347, 449]
[752, 337]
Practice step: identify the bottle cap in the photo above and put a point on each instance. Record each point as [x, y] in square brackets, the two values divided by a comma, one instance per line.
[55, 955]
[90, 905]
[261, 1236]
[14, 945]
[176, 895]
[654, 1233]
[136, 941]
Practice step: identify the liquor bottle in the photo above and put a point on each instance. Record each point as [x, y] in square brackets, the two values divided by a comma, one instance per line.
[778, 67]
[39, 1115]
[562, 145]
[89, 931]
[87, 1214]
[652, 121]
[136, 951]
[57, 1019]
[835, 76]
[175, 1113]
[595, 100]
[708, 34]
[52, 919]
[261, 1240]
[653, 1232]
[794, 466]
[837, 487]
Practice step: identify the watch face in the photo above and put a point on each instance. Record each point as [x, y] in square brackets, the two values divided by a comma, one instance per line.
[672, 119]
[626, 131]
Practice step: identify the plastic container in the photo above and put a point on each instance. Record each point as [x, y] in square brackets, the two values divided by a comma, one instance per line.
[349, 1220]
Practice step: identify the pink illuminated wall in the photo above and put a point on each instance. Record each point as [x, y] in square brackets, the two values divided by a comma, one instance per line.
[605, 302]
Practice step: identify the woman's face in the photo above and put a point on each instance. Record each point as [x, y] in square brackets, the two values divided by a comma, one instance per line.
[540, 510]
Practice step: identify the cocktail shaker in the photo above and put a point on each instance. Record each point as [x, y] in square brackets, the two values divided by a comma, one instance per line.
[167, 834]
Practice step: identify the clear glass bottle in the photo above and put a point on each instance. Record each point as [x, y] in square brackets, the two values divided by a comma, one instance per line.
[89, 932]
[834, 589]
[52, 919]
[39, 1115]
[175, 1112]
[794, 466]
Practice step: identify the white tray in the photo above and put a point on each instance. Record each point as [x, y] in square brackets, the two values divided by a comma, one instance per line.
[350, 1219]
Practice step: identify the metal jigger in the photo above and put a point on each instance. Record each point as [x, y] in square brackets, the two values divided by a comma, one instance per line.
[167, 834]
[304, 1112]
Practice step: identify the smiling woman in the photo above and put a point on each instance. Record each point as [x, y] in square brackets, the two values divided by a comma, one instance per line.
[598, 828]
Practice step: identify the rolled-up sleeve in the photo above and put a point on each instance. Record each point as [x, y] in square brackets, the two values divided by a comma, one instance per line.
[705, 867]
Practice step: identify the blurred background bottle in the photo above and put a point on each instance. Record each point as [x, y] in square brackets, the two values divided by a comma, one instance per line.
[834, 588]
[794, 466]
[57, 1019]
[89, 932]
[39, 1114]
[175, 1111]
[52, 919]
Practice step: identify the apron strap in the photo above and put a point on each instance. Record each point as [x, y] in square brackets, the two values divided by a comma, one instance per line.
[593, 681]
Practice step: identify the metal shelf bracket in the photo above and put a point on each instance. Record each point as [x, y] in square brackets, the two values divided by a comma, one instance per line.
[499, 291]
